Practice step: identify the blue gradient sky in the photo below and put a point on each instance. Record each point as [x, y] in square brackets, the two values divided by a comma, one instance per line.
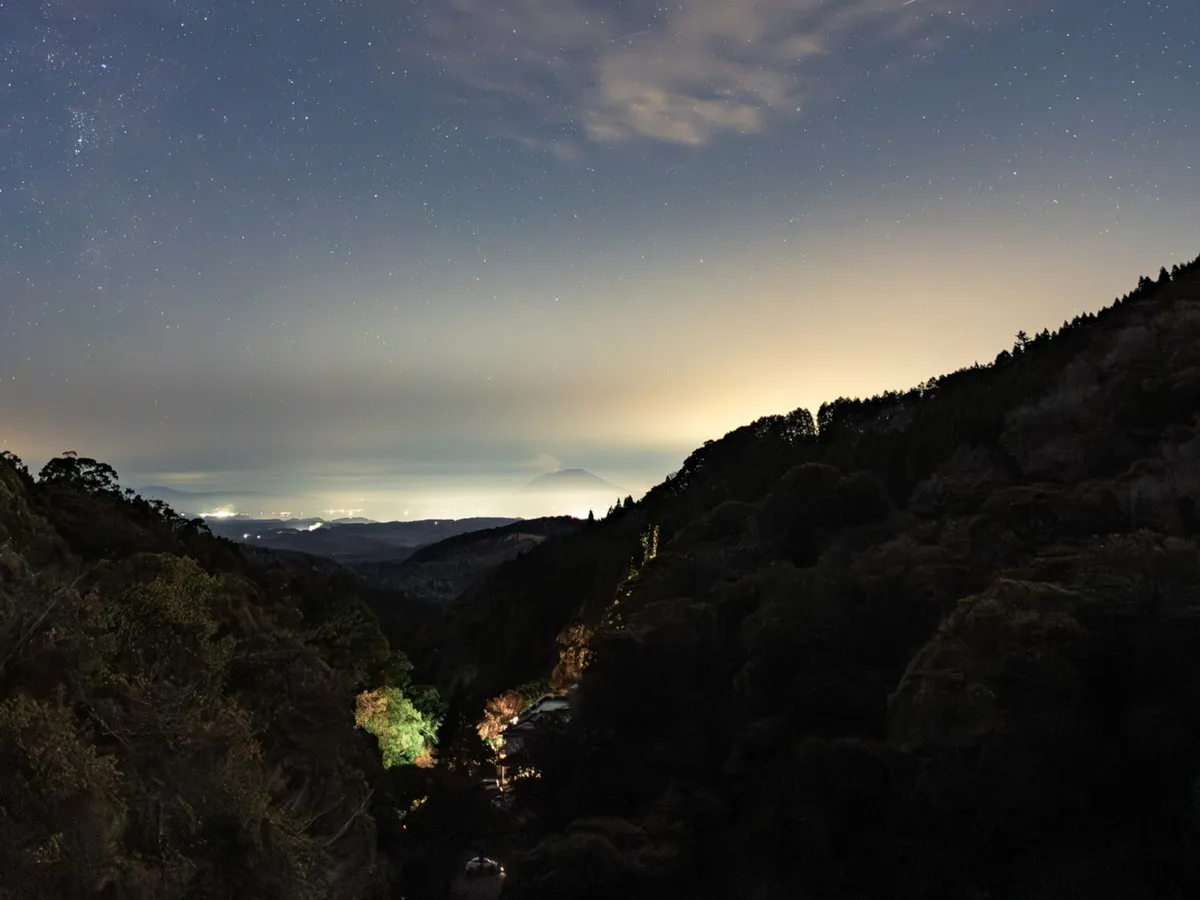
[418, 253]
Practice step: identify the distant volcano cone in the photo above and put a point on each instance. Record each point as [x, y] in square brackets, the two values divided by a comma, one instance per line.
[572, 492]
[573, 480]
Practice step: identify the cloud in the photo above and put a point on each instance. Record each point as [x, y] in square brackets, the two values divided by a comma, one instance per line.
[681, 74]
[563, 149]
[543, 462]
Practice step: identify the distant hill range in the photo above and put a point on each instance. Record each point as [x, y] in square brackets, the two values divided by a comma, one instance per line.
[431, 561]
[431, 558]
[440, 572]
[348, 542]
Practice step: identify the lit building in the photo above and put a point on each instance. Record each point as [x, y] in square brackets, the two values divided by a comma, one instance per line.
[514, 737]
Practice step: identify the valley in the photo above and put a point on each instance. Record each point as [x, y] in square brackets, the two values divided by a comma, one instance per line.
[938, 643]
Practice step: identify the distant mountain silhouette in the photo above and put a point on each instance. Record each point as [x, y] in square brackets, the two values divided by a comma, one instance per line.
[442, 571]
[349, 541]
[571, 480]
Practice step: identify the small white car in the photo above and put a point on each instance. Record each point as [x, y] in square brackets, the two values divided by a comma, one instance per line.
[483, 865]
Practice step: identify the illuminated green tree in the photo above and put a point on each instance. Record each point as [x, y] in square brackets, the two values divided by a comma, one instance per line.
[404, 732]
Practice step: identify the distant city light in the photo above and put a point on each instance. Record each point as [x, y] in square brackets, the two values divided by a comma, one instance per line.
[219, 514]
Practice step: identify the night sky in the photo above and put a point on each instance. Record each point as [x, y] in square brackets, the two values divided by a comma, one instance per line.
[419, 252]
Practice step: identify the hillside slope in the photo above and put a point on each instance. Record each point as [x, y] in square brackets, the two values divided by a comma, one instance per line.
[441, 571]
[947, 647]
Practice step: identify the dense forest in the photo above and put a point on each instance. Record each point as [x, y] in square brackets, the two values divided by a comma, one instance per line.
[943, 643]
[178, 720]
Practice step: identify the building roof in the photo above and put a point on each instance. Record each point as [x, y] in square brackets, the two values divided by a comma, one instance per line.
[549, 704]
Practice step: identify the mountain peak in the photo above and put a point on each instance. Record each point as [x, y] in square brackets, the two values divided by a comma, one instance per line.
[571, 480]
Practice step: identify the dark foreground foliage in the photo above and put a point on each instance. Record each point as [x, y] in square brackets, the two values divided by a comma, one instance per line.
[175, 720]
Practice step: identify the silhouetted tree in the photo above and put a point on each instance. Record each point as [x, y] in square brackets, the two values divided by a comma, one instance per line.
[15, 462]
[84, 473]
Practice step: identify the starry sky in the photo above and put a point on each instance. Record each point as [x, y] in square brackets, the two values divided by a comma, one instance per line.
[410, 254]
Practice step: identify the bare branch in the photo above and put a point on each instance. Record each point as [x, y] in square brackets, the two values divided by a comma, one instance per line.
[54, 601]
[362, 808]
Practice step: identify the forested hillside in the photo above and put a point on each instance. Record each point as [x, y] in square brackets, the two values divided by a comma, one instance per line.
[178, 721]
[940, 643]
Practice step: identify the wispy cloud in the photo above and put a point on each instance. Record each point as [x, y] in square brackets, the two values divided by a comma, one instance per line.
[680, 74]
[562, 147]
[543, 462]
